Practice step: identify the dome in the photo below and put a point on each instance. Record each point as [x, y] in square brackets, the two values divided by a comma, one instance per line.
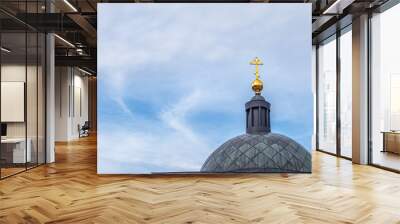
[274, 153]
[259, 150]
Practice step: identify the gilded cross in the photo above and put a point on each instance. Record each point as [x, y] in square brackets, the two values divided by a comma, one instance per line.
[256, 61]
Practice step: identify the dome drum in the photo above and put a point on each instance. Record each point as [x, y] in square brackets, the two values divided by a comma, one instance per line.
[258, 116]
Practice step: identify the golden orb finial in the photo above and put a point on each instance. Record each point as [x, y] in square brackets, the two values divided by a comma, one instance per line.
[257, 84]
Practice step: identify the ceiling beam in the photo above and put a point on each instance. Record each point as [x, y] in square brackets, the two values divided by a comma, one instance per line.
[82, 61]
[338, 6]
[83, 23]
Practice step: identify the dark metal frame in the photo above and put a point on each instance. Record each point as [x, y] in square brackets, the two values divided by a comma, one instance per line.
[369, 90]
[44, 70]
[338, 98]
[387, 5]
[316, 97]
[339, 32]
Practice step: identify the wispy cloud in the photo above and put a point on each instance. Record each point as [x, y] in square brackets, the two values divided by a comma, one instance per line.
[175, 116]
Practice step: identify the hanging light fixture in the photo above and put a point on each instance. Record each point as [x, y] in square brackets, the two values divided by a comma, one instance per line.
[70, 5]
[64, 40]
[5, 50]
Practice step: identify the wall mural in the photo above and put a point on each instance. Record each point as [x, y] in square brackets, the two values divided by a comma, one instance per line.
[176, 86]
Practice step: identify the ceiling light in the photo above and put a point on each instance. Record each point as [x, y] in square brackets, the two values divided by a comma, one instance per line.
[64, 40]
[79, 51]
[338, 6]
[70, 5]
[5, 50]
[84, 71]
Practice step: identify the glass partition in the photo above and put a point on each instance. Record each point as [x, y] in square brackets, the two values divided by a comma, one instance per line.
[41, 91]
[327, 95]
[31, 99]
[346, 93]
[33, 71]
[13, 145]
[385, 89]
[22, 101]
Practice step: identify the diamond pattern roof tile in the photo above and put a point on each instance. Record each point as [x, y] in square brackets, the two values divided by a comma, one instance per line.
[259, 153]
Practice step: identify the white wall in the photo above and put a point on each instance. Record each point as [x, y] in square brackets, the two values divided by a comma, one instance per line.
[71, 102]
[62, 82]
[14, 72]
[33, 126]
[80, 110]
[17, 73]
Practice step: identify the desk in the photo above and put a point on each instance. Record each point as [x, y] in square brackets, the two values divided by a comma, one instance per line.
[391, 141]
[14, 150]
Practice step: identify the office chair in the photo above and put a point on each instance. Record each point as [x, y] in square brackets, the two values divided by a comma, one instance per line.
[84, 130]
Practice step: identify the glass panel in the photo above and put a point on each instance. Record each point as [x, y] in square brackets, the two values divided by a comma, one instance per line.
[327, 96]
[41, 98]
[386, 89]
[31, 88]
[22, 90]
[346, 94]
[31, 100]
[13, 76]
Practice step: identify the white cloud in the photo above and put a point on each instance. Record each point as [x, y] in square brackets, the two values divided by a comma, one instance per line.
[175, 116]
[170, 150]
[186, 60]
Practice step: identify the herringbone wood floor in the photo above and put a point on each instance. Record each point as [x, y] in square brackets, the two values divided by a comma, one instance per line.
[70, 191]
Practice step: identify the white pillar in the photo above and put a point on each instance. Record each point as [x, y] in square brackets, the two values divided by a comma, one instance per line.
[50, 92]
[50, 99]
[360, 90]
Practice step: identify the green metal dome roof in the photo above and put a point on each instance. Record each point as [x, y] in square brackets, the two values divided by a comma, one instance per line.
[269, 152]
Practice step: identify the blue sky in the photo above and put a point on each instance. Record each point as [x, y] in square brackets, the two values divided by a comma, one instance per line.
[174, 78]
